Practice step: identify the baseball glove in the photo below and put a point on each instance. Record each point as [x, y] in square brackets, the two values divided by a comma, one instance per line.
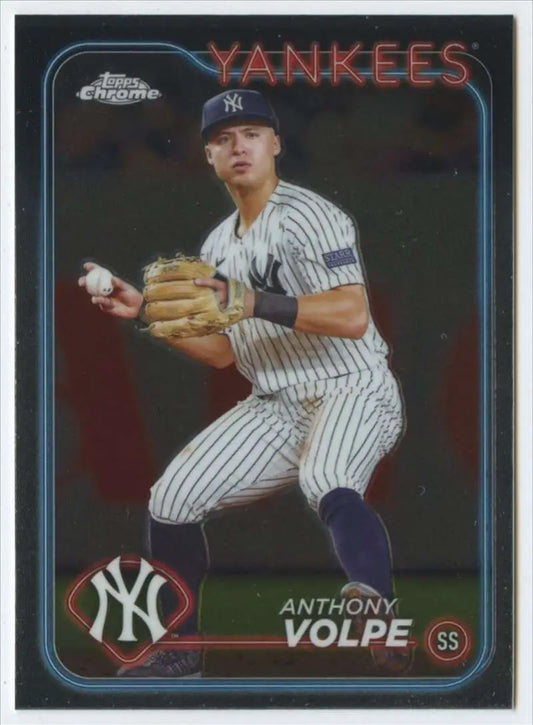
[175, 307]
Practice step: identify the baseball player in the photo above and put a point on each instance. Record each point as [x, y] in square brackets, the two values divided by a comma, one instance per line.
[325, 407]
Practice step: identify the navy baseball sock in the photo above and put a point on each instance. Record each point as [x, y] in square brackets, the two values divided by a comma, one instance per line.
[359, 538]
[183, 548]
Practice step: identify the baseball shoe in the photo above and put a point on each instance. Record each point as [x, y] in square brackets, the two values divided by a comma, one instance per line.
[166, 663]
[389, 660]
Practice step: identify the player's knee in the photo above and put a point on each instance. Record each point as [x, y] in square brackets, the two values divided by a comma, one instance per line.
[307, 478]
[174, 506]
[319, 479]
[314, 480]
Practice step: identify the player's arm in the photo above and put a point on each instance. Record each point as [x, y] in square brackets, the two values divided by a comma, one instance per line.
[126, 302]
[338, 312]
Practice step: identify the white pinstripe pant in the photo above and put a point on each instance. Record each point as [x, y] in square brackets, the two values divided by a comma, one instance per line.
[324, 434]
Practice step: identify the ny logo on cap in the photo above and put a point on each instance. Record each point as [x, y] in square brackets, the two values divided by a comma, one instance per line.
[232, 103]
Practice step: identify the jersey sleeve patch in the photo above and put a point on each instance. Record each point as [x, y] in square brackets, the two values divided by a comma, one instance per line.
[339, 257]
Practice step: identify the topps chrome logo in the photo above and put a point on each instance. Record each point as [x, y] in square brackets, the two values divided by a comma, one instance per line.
[118, 89]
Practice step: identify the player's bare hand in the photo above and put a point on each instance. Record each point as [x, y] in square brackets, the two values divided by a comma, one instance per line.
[221, 289]
[124, 301]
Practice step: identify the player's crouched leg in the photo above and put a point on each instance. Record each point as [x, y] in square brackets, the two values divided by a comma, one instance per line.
[181, 547]
[362, 547]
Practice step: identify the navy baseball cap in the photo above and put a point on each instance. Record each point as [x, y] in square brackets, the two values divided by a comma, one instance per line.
[234, 106]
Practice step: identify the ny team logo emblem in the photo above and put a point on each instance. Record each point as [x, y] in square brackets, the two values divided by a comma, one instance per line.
[232, 103]
[268, 281]
[128, 600]
[116, 602]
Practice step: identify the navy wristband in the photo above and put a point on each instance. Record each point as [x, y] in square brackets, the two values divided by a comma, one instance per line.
[279, 309]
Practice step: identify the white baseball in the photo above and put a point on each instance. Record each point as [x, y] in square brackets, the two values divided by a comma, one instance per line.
[99, 282]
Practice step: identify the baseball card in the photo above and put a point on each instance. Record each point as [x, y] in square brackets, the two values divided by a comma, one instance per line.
[265, 358]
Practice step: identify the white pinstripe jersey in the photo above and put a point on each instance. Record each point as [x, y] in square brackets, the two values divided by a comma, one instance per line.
[300, 244]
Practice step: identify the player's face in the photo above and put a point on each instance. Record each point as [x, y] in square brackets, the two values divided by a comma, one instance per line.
[243, 156]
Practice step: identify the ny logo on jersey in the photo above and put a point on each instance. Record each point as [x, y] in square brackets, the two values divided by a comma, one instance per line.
[269, 281]
[232, 103]
[128, 598]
